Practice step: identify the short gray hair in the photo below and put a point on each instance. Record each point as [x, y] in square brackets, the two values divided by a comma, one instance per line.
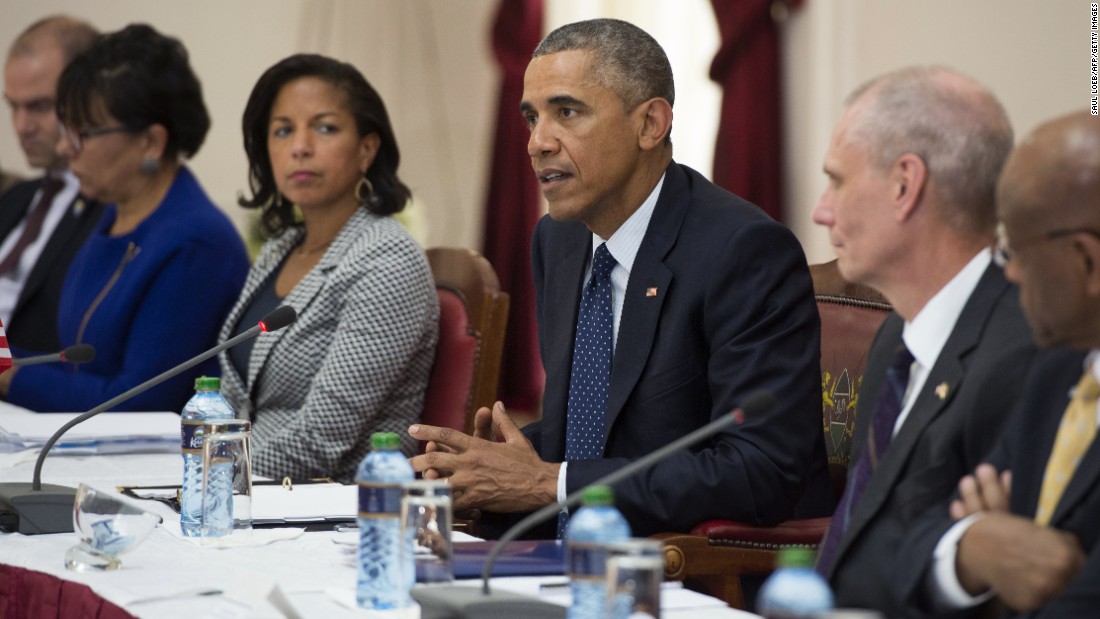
[954, 124]
[627, 59]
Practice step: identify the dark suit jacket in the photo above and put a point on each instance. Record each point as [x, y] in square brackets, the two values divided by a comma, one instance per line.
[33, 324]
[983, 364]
[1025, 448]
[733, 312]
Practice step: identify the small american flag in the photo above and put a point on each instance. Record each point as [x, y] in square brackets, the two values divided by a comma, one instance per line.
[5, 354]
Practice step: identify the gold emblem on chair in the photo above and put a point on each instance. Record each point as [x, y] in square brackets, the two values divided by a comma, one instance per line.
[838, 397]
[674, 562]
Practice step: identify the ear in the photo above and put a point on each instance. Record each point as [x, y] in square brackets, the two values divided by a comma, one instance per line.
[1089, 248]
[656, 122]
[156, 140]
[907, 183]
[368, 150]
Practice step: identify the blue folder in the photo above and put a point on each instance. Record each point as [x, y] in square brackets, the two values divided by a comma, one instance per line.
[519, 558]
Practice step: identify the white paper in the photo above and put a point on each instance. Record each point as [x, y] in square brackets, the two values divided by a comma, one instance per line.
[305, 502]
[107, 433]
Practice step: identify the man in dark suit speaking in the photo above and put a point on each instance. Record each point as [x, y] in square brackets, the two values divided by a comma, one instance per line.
[43, 222]
[1031, 539]
[912, 171]
[663, 301]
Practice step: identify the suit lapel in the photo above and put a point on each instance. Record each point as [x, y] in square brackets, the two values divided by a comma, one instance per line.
[231, 380]
[268, 260]
[299, 298]
[1035, 439]
[302, 295]
[17, 201]
[1081, 485]
[880, 356]
[565, 278]
[1087, 475]
[641, 313]
[940, 387]
[869, 503]
[63, 235]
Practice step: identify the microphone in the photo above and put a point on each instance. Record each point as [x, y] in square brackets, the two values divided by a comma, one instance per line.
[35, 508]
[462, 602]
[77, 353]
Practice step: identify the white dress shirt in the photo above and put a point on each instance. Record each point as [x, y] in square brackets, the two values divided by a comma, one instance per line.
[927, 334]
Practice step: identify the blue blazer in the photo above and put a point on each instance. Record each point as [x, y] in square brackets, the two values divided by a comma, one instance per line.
[147, 300]
[733, 312]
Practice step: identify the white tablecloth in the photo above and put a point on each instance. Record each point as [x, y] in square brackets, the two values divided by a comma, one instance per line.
[168, 577]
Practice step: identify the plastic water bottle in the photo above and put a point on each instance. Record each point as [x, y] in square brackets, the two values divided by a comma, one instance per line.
[206, 405]
[795, 590]
[386, 572]
[595, 525]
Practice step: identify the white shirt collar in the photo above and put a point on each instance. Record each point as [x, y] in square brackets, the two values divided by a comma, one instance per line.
[926, 335]
[625, 242]
[1091, 361]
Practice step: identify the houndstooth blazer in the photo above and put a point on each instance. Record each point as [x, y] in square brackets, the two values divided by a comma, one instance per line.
[356, 361]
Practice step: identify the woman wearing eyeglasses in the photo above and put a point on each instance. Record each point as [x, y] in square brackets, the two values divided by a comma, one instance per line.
[154, 281]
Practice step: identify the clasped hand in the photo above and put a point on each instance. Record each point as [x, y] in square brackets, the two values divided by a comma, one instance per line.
[984, 491]
[1025, 563]
[485, 474]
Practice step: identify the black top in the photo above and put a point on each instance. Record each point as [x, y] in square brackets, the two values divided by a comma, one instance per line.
[264, 301]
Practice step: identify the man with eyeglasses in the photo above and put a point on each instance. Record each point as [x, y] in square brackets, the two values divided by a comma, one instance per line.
[43, 222]
[1023, 528]
[912, 169]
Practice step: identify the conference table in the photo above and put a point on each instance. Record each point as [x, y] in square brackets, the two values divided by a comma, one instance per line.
[301, 574]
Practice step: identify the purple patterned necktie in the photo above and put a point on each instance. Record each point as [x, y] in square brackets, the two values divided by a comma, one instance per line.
[883, 420]
[591, 374]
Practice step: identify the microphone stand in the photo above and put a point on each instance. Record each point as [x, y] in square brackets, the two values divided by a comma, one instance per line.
[573, 499]
[33, 508]
[461, 602]
[77, 353]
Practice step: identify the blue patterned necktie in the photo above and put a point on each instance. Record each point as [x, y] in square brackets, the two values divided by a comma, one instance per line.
[883, 420]
[591, 373]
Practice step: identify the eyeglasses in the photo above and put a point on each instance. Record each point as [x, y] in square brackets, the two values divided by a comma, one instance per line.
[1003, 252]
[76, 138]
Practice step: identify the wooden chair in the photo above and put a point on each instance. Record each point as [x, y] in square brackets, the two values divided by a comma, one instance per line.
[473, 315]
[716, 554]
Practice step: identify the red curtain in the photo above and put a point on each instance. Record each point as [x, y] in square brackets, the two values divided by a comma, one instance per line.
[748, 153]
[513, 205]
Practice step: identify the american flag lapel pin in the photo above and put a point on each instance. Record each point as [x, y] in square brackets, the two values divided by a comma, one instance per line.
[651, 292]
[941, 390]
